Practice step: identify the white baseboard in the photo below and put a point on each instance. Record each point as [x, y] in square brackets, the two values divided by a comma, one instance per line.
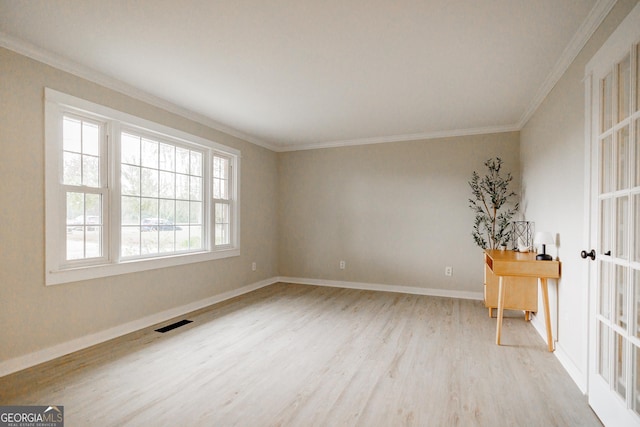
[538, 325]
[22, 362]
[578, 377]
[385, 288]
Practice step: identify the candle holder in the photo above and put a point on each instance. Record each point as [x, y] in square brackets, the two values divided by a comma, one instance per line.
[522, 234]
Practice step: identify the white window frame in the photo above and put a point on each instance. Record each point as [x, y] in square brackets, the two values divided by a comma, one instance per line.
[57, 269]
[228, 201]
[101, 190]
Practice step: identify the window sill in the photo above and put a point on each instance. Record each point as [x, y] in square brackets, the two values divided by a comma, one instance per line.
[77, 274]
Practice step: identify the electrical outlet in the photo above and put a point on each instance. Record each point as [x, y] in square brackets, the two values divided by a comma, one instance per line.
[343, 265]
[254, 266]
[448, 271]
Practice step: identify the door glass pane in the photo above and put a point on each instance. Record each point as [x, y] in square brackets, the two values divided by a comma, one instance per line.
[605, 288]
[637, 150]
[624, 88]
[621, 296]
[622, 159]
[638, 77]
[605, 226]
[636, 380]
[636, 214]
[604, 363]
[620, 365]
[606, 117]
[636, 301]
[622, 227]
[606, 160]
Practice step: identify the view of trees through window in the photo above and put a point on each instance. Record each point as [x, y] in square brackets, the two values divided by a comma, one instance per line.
[161, 197]
[82, 181]
[125, 194]
[222, 209]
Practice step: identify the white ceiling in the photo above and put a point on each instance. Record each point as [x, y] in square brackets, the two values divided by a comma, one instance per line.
[293, 74]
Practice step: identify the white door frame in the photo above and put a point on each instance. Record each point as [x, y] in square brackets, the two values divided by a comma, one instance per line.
[611, 52]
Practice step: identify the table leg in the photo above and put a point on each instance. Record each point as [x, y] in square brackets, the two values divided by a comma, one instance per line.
[547, 318]
[500, 308]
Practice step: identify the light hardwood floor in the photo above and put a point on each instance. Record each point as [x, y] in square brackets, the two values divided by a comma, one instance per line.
[295, 355]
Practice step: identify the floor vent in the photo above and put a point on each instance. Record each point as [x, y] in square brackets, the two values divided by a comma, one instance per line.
[173, 326]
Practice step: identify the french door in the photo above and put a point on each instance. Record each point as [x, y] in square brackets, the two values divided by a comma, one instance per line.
[614, 356]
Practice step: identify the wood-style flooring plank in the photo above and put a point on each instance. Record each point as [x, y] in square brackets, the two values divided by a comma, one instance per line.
[295, 355]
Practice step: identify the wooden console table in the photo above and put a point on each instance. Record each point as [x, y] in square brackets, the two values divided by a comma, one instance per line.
[515, 264]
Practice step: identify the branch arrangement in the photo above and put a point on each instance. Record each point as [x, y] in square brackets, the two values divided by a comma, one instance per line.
[492, 204]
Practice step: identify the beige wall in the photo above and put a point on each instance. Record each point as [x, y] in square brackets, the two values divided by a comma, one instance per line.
[34, 317]
[397, 213]
[553, 157]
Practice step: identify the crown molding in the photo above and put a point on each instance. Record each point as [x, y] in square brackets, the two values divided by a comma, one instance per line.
[589, 26]
[67, 65]
[402, 138]
[597, 14]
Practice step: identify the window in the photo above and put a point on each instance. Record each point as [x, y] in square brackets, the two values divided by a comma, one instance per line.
[161, 197]
[84, 184]
[124, 194]
[221, 199]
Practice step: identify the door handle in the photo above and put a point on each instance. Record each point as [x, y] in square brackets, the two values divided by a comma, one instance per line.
[585, 254]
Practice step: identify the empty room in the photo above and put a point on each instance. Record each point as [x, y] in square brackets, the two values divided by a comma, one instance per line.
[296, 213]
